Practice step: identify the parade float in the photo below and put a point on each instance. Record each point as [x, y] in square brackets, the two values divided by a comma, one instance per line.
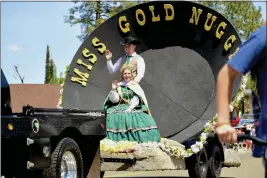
[184, 45]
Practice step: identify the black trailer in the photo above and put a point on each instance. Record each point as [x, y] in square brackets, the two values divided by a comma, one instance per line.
[50, 143]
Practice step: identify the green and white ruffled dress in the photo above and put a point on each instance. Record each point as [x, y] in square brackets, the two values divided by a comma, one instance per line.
[137, 125]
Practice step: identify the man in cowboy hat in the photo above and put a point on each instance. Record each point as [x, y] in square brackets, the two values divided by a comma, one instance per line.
[131, 58]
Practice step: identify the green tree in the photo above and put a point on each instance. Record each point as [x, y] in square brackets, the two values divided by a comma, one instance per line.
[51, 70]
[67, 69]
[47, 65]
[122, 6]
[91, 14]
[244, 16]
[61, 78]
[53, 73]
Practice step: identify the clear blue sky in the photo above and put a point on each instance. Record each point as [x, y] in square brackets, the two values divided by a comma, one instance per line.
[26, 29]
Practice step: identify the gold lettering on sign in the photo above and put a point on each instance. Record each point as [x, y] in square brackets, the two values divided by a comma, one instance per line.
[140, 12]
[126, 27]
[154, 18]
[167, 7]
[86, 53]
[227, 44]
[88, 66]
[96, 43]
[195, 15]
[83, 77]
[220, 34]
[230, 56]
[206, 26]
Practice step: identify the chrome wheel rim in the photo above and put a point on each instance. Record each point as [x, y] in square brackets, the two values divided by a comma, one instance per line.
[68, 165]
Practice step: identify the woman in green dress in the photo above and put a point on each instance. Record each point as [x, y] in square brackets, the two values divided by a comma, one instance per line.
[128, 115]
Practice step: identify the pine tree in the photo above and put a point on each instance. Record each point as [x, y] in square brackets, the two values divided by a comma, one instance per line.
[52, 71]
[47, 65]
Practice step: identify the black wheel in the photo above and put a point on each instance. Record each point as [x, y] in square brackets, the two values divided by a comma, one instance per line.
[215, 162]
[197, 165]
[66, 161]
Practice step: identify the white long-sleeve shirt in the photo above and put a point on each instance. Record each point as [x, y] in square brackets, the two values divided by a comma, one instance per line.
[114, 97]
[140, 66]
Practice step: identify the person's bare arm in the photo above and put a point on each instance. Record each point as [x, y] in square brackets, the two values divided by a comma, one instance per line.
[225, 131]
[225, 81]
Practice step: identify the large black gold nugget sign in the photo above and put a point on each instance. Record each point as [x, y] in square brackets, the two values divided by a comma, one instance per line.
[183, 44]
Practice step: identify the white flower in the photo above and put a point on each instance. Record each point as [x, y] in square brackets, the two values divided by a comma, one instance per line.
[61, 91]
[204, 136]
[231, 108]
[194, 148]
[207, 124]
[182, 152]
[243, 85]
[245, 79]
[199, 145]
[238, 98]
[62, 85]
[59, 103]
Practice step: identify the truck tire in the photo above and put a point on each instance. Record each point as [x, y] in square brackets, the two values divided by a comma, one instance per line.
[66, 149]
[197, 164]
[215, 162]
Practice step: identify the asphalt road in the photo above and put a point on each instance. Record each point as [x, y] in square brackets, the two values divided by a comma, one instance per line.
[250, 168]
